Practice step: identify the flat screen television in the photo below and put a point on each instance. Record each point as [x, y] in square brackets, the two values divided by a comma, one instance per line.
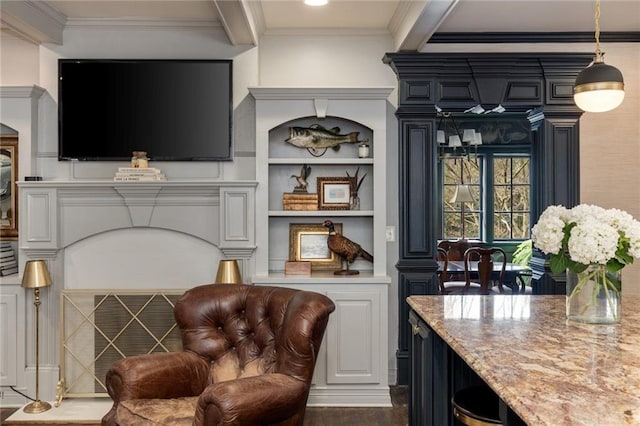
[175, 110]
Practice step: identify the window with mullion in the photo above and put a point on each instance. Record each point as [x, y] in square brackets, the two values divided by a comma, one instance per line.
[511, 197]
[462, 220]
[501, 208]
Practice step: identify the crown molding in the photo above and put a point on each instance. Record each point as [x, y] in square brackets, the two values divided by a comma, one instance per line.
[143, 24]
[353, 93]
[336, 32]
[34, 21]
[535, 37]
[33, 92]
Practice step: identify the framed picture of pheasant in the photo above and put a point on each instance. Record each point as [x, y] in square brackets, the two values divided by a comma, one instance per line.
[308, 243]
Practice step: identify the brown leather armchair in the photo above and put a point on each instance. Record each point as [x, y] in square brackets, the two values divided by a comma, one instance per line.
[248, 358]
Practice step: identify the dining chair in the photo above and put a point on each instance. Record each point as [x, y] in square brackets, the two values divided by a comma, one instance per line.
[448, 284]
[479, 276]
[486, 273]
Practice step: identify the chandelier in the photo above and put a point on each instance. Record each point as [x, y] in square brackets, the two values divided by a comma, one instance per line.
[452, 142]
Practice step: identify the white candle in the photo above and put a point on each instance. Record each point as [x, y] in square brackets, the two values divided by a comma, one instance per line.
[363, 150]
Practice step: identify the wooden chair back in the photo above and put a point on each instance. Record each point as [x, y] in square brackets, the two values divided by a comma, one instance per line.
[443, 275]
[485, 266]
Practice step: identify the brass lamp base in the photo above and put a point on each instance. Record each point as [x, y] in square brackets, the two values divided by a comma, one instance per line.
[37, 407]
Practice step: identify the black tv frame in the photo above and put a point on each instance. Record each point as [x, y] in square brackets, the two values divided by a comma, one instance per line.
[62, 156]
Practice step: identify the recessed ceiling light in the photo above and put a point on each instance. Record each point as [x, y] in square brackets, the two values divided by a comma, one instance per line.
[316, 2]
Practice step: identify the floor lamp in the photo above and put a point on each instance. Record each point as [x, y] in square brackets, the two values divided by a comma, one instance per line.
[461, 196]
[36, 276]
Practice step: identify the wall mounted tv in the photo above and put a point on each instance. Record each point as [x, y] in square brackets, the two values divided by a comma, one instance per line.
[175, 110]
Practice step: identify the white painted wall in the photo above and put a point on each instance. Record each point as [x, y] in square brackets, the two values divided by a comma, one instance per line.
[18, 61]
[352, 61]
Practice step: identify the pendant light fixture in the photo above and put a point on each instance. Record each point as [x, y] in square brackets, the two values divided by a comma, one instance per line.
[599, 87]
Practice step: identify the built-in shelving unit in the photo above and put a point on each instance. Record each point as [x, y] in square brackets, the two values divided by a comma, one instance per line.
[352, 368]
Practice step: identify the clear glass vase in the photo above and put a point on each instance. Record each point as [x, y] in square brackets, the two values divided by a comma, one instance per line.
[593, 296]
[354, 202]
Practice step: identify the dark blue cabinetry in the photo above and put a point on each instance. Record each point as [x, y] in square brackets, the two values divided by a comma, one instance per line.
[454, 82]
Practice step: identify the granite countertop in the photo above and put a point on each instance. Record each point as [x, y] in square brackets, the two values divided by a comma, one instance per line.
[549, 370]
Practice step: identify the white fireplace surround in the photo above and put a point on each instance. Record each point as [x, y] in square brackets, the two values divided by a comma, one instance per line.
[107, 235]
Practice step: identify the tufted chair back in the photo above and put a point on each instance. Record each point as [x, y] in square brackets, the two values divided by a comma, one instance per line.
[244, 331]
[248, 358]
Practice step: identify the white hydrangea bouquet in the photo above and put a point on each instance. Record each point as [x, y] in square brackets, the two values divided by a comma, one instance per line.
[593, 242]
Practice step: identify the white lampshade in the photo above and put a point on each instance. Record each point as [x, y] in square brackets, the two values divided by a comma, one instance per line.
[440, 137]
[477, 139]
[462, 194]
[469, 135]
[599, 100]
[454, 141]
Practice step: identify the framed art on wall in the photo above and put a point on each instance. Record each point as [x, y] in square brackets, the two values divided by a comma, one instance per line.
[8, 187]
[333, 193]
[308, 242]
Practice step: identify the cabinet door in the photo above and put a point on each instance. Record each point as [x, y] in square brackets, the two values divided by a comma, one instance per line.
[8, 339]
[353, 338]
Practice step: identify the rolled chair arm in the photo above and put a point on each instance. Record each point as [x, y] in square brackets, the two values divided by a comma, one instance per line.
[265, 399]
[158, 375]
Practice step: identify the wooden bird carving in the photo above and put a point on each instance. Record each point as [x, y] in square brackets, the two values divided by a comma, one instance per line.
[305, 171]
[345, 248]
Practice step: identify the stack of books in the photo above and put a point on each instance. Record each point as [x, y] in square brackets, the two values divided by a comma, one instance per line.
[8, 263]
[139, 174]
[299, 201]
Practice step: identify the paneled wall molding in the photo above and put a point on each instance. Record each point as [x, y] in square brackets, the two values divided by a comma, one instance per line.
[455, 82]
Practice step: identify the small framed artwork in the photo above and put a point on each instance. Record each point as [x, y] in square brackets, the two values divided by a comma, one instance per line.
[333, 193]
[308, 243]
[8, 187]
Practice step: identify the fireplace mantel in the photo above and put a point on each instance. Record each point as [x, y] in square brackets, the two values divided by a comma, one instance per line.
[124, 235]
[55, 214]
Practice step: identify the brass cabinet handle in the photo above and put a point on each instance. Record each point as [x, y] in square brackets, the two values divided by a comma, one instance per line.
[416, 329]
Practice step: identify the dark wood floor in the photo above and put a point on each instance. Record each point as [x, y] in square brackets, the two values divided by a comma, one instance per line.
[398, 415]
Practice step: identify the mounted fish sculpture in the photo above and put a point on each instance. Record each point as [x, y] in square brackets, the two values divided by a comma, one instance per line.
[316, 139]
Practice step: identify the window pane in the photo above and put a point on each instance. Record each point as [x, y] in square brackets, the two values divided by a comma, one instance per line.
[521, 171]
[520, 225]
[472, 225]
[475, 193]
[521, 198]
[501, 199]
[452, 228]
[501, 171]
[452, 170]
[449, 192]
[502, 226]
[472, 172]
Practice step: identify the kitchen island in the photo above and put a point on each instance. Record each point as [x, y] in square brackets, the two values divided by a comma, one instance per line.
[545, 369]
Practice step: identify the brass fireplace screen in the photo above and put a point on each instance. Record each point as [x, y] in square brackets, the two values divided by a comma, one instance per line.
[103, 326]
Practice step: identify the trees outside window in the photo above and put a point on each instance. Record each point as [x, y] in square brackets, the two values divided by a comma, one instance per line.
[500, 185]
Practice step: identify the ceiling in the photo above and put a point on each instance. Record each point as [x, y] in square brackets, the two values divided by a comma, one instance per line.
[410, 22]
